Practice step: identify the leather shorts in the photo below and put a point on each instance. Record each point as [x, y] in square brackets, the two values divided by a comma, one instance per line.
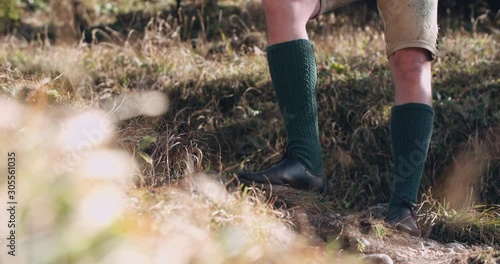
[407, 23]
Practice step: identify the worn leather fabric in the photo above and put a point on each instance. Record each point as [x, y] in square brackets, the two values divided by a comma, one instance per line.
[407, 23]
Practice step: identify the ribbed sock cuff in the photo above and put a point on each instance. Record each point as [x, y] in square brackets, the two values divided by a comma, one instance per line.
[403, 107]
[289, 43]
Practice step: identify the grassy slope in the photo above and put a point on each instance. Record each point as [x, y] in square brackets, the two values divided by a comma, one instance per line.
[223, 118]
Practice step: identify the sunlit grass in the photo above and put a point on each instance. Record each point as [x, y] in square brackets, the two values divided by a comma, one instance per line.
[125, 146]
[477, 224]
[86, 209]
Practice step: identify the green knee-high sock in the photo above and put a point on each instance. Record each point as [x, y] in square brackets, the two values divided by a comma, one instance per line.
[293, 72]
[411, 131]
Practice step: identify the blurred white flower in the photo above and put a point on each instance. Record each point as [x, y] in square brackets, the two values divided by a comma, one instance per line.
[128, 252]
[12, 113]
[107, 164]
[86, 131]
[102, 206]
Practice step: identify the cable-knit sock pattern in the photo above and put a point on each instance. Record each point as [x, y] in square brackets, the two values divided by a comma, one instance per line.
[411, 131]
[294, 74]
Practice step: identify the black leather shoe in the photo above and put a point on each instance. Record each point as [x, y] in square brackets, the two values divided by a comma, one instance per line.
[402, 217]
[288, 172]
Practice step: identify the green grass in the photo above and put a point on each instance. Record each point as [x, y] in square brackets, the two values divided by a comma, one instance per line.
[478, 224]
[222, 118]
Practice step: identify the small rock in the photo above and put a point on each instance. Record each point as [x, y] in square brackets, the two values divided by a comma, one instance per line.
[378, 259]
[364, 241]
[429, 244]
[361, 244]
[456, 246]
[447, 250]
[376, 212]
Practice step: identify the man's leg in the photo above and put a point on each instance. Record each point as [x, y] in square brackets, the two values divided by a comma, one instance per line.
[293, 72]
[410, 34]
[412, 120]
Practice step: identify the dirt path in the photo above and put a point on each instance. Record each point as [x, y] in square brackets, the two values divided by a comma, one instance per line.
[365, 233]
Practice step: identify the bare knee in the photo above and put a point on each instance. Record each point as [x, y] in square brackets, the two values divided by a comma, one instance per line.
[410, 60]
[411, 74]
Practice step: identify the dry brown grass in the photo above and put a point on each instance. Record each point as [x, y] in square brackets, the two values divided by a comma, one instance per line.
[78, 203]
[222, 118]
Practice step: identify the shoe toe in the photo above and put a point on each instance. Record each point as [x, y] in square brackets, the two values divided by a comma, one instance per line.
[289, 173]
[400, 217]
[408, 226]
